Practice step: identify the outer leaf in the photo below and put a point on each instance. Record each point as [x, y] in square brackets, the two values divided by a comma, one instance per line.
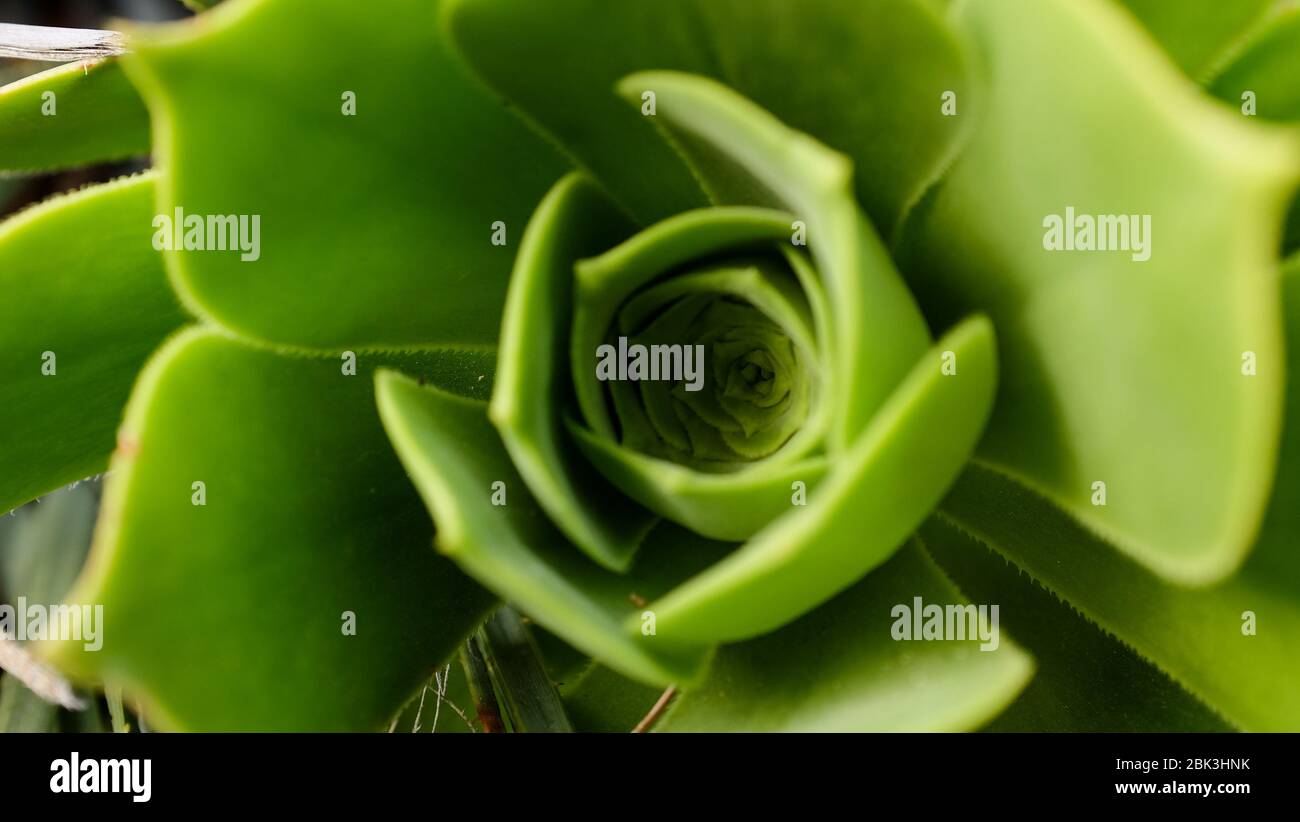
[95, 114]
[81, 282]
[892, 129]
[1116, 131]
[455, 458]
[1198, 34]
[1087, 681]
[839, 668]
[1194, 636]
[248, 110]
[308, 516]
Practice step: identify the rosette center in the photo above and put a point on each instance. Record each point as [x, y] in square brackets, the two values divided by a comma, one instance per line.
[714, 369]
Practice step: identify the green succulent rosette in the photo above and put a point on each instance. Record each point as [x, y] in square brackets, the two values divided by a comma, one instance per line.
[822, 405]
[328, 465]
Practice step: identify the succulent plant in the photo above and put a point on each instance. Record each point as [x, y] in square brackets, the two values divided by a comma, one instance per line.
[741, 348]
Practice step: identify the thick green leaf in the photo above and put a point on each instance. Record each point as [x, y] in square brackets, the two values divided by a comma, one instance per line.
[866, 77]
[234, 613]
[840, 669]
[1111, 365]
[1199, 34]
[1195, 636]
[85, 299]
[460, 465]
[533, 381]
[375, 228]
[71, 115]
[1086, 680]
[731, 506]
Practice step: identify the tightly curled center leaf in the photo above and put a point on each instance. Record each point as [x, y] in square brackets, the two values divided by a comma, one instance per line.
[721, 382]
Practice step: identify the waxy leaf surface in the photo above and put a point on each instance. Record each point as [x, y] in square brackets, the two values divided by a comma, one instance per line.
[1113, 361]
[229, 605]
[85, 302]
[251, 103]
